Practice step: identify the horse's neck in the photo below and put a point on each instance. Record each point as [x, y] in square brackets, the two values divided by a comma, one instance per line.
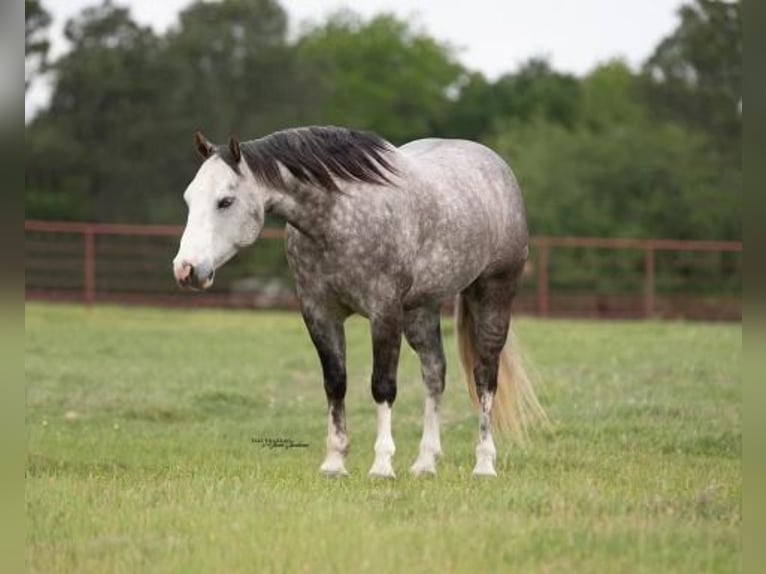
[304, 207]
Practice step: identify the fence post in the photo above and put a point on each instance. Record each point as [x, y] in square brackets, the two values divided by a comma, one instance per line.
[649, 283]
[543, 250]
[89, 267]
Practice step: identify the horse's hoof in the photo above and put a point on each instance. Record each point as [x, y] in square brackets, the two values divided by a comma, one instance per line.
[342, 473]
[382, 476]
[484, 468]
[333, 470]
[423, 468]
[382, 471]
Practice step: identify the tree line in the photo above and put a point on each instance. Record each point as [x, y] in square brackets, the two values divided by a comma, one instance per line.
[653, 152]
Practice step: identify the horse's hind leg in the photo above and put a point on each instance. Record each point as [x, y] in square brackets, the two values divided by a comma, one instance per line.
[423, 332]
[488, 302]
[327, 333]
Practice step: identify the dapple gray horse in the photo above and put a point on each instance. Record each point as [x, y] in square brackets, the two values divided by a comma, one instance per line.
[388, 233]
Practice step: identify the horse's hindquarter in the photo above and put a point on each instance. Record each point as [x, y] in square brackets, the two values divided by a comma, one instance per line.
[470, 211]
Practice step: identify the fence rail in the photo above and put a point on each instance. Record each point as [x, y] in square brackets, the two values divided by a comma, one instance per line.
[566, 276]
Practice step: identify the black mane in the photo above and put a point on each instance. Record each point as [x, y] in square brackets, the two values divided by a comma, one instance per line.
[316, 155]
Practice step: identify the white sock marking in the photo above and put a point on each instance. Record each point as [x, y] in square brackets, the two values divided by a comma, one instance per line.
[485, 450]
[337, 444]
[430, 444]
[384, 444]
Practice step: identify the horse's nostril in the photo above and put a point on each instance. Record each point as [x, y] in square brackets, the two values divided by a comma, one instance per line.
[194, 277]
[185, 273]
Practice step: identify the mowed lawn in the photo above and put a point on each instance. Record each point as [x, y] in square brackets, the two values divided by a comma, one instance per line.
[146, 431]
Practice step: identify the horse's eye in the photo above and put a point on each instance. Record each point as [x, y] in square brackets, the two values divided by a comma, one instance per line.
[225, 202]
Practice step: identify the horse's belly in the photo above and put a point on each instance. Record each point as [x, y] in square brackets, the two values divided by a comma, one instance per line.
[442, 273]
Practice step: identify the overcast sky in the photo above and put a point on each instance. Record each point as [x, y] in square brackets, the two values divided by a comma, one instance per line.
[492, 36]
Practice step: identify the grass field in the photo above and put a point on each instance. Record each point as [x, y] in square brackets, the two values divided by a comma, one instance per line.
[143, 429]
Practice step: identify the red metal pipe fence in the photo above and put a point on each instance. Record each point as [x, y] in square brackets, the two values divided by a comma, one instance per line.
[568, 276]
[649, 247]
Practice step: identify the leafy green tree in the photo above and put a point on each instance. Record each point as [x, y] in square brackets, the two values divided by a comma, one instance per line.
[609, 97]
[381, 75]
[233, 69]
[694, 75]
[618, 172]
[88, 150]
[535, 90]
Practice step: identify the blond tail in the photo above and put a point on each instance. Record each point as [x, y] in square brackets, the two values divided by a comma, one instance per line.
[515, 407]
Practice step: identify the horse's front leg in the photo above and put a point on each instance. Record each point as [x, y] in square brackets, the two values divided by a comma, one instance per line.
[327, 333]
[386, 342]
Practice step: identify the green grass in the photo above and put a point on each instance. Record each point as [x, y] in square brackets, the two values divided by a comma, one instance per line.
[140, 428]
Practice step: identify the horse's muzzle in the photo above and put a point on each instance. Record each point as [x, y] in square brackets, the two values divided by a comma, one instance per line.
[193, 277]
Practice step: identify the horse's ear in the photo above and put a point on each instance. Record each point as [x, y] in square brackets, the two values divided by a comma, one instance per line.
[234, 148]
[204, 147]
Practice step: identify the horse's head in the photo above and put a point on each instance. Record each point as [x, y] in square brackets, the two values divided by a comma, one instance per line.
[226, 211]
